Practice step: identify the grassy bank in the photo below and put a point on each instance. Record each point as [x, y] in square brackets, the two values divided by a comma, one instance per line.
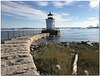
[88, 58]
[48, 55]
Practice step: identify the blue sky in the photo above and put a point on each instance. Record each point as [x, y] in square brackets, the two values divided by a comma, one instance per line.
[18, 14]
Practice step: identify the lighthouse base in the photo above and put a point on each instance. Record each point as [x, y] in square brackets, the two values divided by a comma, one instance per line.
[52, 32]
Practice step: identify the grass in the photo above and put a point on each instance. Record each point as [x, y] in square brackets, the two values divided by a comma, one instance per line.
[88, 58]
[53, 54]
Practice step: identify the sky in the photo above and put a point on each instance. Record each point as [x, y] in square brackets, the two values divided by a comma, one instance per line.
[32, 14]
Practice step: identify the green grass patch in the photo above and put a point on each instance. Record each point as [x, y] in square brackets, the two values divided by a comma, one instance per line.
[53, 54]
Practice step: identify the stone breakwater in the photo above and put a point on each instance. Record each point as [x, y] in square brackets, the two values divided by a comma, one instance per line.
[16, 58]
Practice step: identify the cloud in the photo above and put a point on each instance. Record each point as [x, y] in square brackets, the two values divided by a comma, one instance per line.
[80, 5]
[84, 23]
[65, 14]
[90, 22]
[94, 4]
[93, 23]
[93, 18]
[60, 20]
[42, 3]
[20, 10]
[60, 4]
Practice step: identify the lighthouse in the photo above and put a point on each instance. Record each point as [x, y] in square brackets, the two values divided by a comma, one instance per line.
[50, 22]
[50, 26]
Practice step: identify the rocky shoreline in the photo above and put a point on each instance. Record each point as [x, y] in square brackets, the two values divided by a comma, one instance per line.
[37, 45]
[63, 44]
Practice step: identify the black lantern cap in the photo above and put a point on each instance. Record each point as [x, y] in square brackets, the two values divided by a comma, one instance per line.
[50, 14]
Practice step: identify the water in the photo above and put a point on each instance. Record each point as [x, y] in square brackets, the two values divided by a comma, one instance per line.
[77, 35]
[69, 35]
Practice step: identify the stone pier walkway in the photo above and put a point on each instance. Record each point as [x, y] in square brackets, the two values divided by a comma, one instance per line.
[16, 58]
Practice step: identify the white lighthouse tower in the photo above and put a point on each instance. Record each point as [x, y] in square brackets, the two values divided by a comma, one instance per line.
[50, 26]
[50, 22]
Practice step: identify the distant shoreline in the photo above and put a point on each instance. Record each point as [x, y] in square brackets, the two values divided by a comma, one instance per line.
[55, 28]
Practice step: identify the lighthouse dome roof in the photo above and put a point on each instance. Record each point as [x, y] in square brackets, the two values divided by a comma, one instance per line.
[50, 14]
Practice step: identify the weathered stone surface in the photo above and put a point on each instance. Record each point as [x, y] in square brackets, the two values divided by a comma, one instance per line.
[16, 58]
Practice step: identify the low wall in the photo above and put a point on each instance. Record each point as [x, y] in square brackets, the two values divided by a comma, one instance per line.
[16, 58]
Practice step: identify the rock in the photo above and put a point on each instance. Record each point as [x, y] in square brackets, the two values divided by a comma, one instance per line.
[72, 54]
[73, 50]
[86, 72]
[32, 49]
[58, 67]
[89, 43]
[46, 43]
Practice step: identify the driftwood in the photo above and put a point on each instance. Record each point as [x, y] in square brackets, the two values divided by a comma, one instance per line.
[75, 64]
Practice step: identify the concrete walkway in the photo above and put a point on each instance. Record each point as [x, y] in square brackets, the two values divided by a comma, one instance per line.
[16, 58]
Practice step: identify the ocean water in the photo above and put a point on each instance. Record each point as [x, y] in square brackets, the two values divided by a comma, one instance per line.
[66, 35]
[77, 35]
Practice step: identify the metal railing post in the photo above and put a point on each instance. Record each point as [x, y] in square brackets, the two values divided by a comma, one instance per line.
[23, 33]
[8, 34]
[30, 32]
[27, 32]
[40, 31]
[33, 32]
[13, 33]
[19, 33]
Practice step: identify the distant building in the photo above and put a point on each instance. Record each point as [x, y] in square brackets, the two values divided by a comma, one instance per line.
[91, 27]
[50, 22]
